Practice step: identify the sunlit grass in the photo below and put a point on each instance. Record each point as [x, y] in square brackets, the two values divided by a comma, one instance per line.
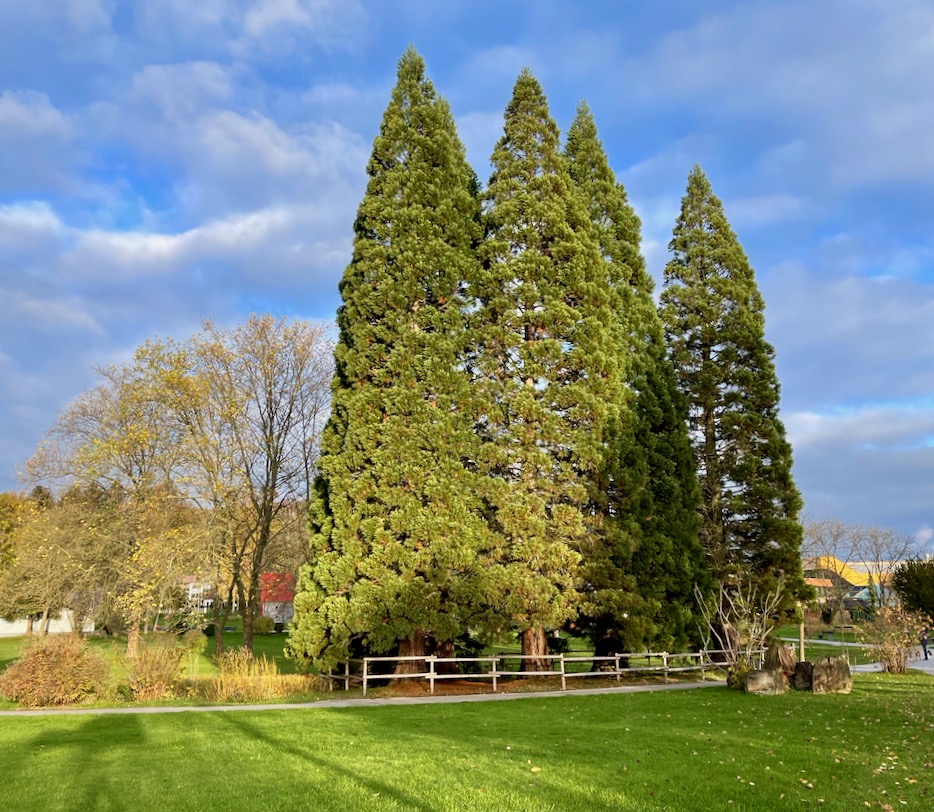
[686, 750]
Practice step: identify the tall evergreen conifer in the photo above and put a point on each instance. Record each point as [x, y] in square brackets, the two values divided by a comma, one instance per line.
[713, 316]
[644, 555]
[549, 363]
[399, 544]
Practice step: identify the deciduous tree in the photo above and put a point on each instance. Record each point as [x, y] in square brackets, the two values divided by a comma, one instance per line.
[247, 404]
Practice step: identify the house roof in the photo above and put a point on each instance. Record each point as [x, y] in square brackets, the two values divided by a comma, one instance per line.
[833, 564]
[277, 587]
[824, 583]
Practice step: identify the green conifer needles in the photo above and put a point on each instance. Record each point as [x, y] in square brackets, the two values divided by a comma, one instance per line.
[508, 448]
[714, 321]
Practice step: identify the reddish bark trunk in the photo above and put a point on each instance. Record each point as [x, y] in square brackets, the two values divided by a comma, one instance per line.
[535, 644]
[412, 646]
[445, 648]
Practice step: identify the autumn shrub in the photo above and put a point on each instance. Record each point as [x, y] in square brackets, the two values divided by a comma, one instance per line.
[57, 670]
[155, 672]
[245, 678]
[893, 638]
[263, 625]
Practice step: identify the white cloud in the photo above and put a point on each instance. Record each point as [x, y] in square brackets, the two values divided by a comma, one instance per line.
[267, 14]
[35, 217]
[479, 133]
[88, 15]
[36, 150]
[48, 314]
[843, 339]
[27, 114]
[885, 427]
[182, 90]
[238, 27]
[850, 77]
[752, 212]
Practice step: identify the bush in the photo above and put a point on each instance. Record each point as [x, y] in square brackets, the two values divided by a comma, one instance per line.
[155, 671]
[558, 644]
[263, 625]
[893, 638]
[59, 670]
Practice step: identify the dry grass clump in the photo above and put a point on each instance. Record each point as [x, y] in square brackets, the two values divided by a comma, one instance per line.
[245, 678]
[156, 671]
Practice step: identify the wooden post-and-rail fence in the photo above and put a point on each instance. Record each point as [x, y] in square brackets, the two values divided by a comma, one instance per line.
[491, 667]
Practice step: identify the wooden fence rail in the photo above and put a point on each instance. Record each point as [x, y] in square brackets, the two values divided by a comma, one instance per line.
[607, 666]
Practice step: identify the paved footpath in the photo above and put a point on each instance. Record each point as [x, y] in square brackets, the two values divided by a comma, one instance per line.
[437, 699]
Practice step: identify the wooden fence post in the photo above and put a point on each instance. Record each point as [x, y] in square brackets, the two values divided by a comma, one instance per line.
[665, 665]
[431, 673]
[347, 675]
[364, 675]
[494, 671]
[564, 682]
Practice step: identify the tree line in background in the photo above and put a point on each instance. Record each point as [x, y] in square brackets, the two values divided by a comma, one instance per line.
[192, 461]
[519, 439]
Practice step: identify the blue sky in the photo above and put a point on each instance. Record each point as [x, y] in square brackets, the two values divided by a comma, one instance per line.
[167, 161]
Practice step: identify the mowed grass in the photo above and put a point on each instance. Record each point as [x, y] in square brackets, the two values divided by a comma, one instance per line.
[272, 646]
[681, 750]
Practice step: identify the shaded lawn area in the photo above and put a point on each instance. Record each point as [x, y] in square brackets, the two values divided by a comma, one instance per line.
[684, 750]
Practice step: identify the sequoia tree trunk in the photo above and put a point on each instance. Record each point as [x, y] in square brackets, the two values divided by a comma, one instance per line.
[445, 648]
[535, 644]
[412, 646]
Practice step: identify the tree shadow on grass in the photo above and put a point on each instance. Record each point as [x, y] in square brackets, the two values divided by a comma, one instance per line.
[78, 768]
[329, 769]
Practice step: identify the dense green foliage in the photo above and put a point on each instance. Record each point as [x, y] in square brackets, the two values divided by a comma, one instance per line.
[644, 557]
[714, 322]
[675, 751]
[400, 550]
[549, 361]
[512, 445]
[914, 582]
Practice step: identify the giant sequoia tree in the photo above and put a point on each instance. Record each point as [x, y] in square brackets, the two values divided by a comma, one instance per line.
[644, 555]
[550, 358]
[399, 547]
[713, 316]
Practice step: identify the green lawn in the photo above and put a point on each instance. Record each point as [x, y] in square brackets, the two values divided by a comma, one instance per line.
[686, 750]
[838, 635]
[113, 648]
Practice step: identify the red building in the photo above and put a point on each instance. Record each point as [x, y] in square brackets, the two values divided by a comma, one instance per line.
[277, 595]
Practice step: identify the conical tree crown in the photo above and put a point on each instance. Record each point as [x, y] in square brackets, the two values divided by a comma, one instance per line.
[398, 540]
[547, 359]
[715, 324]
[645, 546]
